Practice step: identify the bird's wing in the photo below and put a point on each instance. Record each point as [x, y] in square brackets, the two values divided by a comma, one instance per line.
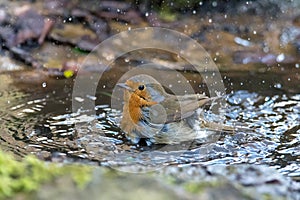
[181, 107]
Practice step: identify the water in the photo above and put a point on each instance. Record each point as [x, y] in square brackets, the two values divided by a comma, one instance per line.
[39, 120]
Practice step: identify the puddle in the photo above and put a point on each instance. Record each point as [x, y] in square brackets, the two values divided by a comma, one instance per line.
[38, 120]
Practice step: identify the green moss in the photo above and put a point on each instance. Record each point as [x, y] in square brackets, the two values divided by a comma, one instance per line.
[80, 51]
[267, 197]
[197, 187]
[167, 15]
[81, 174]
[27, 175]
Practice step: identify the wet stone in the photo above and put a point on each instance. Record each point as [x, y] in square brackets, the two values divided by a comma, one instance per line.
[29, 26]
[8, 36]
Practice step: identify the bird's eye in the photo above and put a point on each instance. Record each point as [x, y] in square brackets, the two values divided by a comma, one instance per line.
[141, 87]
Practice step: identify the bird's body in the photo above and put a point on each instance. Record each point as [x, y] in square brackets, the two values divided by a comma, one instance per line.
[150, 112]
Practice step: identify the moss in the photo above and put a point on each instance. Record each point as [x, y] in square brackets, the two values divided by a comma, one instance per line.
[267, 196]
[197, 187]
[80, 51]
[81, 174]
[27, 175]
[167, 15]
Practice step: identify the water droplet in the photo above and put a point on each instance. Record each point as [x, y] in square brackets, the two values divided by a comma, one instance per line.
[79, 99]
[242, 42]
[44, 84]
[280, 57]
[266, 49]
[278, 86]
[91, 97]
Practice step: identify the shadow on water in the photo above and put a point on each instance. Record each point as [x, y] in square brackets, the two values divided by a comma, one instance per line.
[36, 117]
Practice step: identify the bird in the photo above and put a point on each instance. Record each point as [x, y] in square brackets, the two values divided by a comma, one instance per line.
[151, 113]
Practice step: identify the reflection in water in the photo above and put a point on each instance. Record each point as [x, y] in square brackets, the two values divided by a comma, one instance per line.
[40, 122]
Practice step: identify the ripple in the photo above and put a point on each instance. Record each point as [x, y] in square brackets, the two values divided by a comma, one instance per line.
[272, 134]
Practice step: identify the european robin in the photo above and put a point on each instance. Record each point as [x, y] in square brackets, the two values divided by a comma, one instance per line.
[150, 112]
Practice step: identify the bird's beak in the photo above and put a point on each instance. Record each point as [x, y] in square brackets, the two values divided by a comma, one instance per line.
[125, 86]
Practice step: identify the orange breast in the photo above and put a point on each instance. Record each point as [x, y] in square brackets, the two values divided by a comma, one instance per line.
[135, 107]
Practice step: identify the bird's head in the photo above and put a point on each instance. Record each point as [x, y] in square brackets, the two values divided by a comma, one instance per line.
[144, 87]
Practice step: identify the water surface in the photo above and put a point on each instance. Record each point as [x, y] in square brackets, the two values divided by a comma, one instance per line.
[37, 118]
